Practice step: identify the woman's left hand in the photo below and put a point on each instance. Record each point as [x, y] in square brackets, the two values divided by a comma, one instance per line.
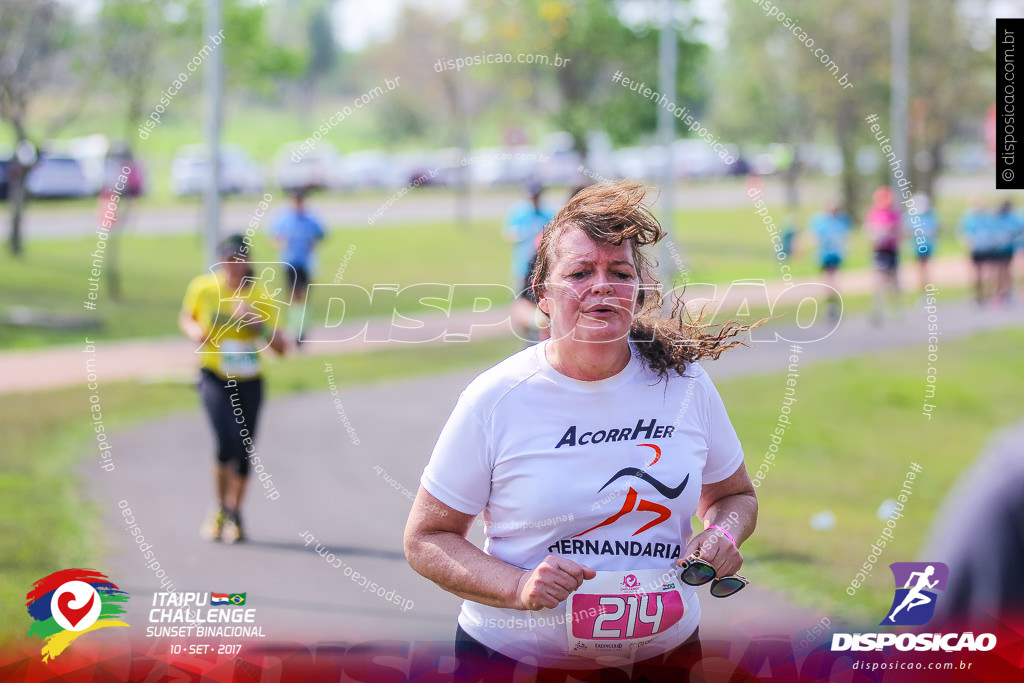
[714, 547]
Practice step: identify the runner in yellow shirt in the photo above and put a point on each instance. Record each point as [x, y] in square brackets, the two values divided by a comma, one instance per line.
[232, 315]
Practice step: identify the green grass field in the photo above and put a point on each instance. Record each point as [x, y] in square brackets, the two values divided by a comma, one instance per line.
[857, 426]
[718, 246]
[854, 435]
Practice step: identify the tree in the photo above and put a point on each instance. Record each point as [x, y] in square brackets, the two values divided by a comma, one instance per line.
[950, 84]
[789, 94]
[323, 54]
[132, 34]
[33, 38]
[594, 42]
[757, 98]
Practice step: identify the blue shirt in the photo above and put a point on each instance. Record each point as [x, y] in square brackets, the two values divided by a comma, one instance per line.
[830, 230]
[300, 232]
[977, 228]
[927, 227]
[1006, 229]
[525, 222]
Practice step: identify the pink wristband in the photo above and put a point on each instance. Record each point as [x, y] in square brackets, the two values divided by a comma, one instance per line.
[727, 534]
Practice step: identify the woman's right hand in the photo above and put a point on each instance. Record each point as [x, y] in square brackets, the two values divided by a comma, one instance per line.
[550, 582]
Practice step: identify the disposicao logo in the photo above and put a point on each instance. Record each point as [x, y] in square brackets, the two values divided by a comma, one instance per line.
[913, 605]
[69, 603]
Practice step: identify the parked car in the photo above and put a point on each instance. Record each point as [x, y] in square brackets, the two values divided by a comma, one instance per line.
[640, 163]
[319, 168]
[695, 158]
[365, 169]
[239, 174]
[411, 168]
[55, 177]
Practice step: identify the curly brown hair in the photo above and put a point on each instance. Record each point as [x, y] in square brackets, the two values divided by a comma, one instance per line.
[614, 212]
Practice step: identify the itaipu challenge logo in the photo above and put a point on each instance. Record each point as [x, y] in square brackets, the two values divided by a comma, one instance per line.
[70, 603]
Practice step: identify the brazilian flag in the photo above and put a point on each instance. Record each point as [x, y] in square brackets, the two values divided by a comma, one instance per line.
[237, 598]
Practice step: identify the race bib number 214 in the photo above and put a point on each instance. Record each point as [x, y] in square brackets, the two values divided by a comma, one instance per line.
[623, 611]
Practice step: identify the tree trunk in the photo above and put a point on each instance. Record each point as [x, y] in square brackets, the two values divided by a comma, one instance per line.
[849, 181]
[792, 177]
[16, 198]
[930, 179]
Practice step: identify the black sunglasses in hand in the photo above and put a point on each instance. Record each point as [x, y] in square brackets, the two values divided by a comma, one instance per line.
[696, 572]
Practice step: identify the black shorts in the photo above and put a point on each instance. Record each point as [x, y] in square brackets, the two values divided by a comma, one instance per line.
[980, 256]
[298, 280]
[477, 662]
[1003, 255]
[831, 262]
[234, 412]
[887, 260]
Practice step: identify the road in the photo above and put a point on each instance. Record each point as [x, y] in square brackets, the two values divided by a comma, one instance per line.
[52, 221]
[174, 358]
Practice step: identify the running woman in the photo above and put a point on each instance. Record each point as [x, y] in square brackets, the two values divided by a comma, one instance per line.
[588, 454]
[231, 316]
[883, 228]
[831, 229]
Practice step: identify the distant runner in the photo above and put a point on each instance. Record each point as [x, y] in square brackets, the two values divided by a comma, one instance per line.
[922, 237]
[883, 228]
[231, 315]
[523, 228]
[296, 232]
[831, 229]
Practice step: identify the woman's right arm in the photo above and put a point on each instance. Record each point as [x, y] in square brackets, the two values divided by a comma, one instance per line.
[437, 548]
[191, 327]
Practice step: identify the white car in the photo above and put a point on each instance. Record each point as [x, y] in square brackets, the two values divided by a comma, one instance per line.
[238, 173]
[319, 168]
[640, 163]
[57, 176]
[366, 169]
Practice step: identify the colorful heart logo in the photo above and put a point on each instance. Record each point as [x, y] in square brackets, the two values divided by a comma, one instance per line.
[70, 613]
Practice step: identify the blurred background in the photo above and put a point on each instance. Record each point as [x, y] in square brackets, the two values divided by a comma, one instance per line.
[415, 151]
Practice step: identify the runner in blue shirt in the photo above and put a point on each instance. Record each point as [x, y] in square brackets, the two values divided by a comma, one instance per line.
[977, 227]
[923, 228]
[1006, 228]
[523, 228]
[525, 223]
[831, 229]
[296, 232]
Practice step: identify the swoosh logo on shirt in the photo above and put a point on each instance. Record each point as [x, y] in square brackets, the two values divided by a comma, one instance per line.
[663, 489]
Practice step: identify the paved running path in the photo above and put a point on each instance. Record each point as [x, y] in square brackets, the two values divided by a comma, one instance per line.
[329, 488]
[52, 221]
[157, 359]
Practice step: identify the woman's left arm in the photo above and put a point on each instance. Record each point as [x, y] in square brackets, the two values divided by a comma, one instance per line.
[732, 505]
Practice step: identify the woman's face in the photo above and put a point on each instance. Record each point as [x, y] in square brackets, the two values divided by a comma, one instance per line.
[235, 270]
[591, 292]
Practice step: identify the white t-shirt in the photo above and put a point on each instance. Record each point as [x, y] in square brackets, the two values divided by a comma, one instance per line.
[548, 458]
